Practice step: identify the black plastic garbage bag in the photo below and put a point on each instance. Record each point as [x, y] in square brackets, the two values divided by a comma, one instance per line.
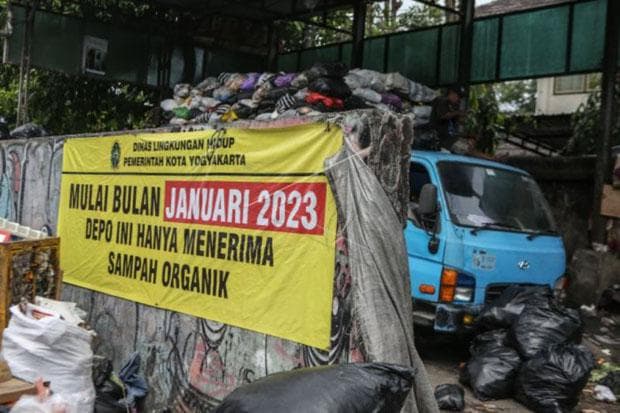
[493, 338]
[345, 388]
[552, 382]
[450, 397]
[327, 69]
[327, 86]
[538, 328]
[612, 380]
[503, 311]
[108, 395]
[4, 129]
[28, 130]
[491, 373]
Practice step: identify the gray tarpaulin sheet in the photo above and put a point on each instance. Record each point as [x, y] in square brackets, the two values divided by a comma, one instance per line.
[378, 264]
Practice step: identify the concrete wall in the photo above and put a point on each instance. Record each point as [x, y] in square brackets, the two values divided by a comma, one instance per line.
[192, 363]
[548, 103]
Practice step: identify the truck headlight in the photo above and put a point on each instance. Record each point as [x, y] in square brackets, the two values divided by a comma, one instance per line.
[465, 287]
[464, 294]
[456, 286]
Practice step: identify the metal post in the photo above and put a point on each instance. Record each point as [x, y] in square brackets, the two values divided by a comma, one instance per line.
[608, 112]
[359, 28]
[24, 66]
[7, 31]
[466, 41]
[272, 48]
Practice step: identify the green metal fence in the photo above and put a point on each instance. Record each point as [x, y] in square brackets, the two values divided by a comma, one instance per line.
[556, 40]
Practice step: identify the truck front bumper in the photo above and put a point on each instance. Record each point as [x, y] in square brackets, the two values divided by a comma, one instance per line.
[446, 318]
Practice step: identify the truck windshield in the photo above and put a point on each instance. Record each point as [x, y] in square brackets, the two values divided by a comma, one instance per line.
[485, 197]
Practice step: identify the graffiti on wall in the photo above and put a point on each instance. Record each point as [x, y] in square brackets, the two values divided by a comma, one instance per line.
[30, 182]
[190, 363]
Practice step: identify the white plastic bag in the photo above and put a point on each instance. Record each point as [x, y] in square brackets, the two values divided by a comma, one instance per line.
[53, 349]
[53, 404]
[69, 311]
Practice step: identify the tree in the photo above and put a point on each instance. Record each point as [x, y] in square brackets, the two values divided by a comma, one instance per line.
[586, 122]
[381, 18]
[65, 104]
[485, 119]
[517, 97]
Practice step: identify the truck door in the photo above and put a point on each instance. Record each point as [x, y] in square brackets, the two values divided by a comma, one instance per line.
[424, 266]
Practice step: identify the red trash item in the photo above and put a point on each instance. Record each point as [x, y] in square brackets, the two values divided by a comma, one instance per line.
[331, 103]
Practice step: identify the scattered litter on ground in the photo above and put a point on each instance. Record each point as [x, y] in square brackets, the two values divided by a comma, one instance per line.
[450, 397]
[604, 394]
[588, 310]
[354, 388]
[483, 408]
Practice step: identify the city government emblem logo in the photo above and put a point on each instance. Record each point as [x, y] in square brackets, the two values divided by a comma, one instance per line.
[115, 156]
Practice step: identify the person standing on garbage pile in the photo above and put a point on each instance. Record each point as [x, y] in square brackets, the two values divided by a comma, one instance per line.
[446, 117]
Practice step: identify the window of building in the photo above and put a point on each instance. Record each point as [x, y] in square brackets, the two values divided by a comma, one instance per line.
[563, 85]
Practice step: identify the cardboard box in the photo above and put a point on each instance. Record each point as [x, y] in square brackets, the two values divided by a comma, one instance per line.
[611, 202]
[5, 372]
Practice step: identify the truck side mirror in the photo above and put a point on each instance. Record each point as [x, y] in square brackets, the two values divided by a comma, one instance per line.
[428, 209]
[428, 201]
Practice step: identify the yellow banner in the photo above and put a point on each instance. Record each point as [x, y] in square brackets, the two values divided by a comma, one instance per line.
[236, 226]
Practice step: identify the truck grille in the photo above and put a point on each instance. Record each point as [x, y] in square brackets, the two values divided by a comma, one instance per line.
[493, 292]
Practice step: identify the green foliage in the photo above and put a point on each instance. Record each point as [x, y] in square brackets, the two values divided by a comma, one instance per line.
[518, 97]
[586, 123]
[381, 18]
[485, 119]
[65, 104]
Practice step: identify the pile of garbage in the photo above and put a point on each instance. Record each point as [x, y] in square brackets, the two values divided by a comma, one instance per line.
[49, 344]
[529, 349]
[326, 87]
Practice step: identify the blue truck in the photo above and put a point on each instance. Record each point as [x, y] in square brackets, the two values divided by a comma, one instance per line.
[474, 228]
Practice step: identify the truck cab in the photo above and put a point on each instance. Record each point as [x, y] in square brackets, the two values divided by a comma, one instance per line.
[475, 227]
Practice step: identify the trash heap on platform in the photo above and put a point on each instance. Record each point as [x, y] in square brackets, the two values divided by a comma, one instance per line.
[326, 87]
